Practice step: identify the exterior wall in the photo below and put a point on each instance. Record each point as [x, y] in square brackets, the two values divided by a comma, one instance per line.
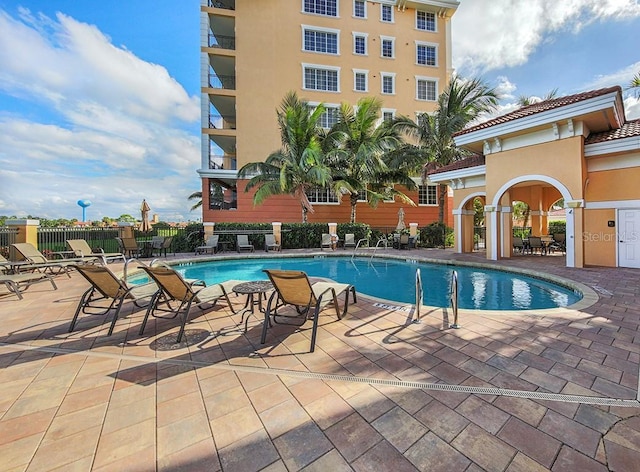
[614, 186]
[599, 240]
[268, 64]
[286, 209]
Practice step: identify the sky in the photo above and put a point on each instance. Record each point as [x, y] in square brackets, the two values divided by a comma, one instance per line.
[100, 101]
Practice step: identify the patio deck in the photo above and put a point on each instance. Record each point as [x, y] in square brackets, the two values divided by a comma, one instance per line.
[378, 394]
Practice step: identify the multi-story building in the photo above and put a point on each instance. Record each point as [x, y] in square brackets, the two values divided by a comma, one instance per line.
[328, 51]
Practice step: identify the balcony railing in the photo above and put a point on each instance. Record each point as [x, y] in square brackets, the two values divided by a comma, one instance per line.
[227, 82]
[224, 4]
[221, 122]
[221, 41]
[222, 162]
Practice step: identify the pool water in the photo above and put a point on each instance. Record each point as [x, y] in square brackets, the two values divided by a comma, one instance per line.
[394, 280]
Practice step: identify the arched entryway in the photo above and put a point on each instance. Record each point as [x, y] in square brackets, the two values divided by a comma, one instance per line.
[539, 192]
[469, 225]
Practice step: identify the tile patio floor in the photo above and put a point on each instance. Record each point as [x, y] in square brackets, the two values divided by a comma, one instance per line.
[222, 401]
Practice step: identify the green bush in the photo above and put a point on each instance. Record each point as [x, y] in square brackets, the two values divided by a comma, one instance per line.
[436, 235]
[189, 239]
[556, 227]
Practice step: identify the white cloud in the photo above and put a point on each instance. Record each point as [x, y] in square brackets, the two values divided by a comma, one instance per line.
[118, 129]
[504, 33]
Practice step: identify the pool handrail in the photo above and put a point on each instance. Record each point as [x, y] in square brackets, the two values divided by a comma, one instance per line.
[454, 299]
[419, 293]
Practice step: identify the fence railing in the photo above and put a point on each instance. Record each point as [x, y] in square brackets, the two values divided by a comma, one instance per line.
[7, 238]
[222, 81]
[222, 41]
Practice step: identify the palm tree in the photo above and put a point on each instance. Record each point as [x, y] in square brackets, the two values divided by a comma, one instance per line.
[299, 165]
[195, 196]
[358, 155]
[460, 104]
[524, 101]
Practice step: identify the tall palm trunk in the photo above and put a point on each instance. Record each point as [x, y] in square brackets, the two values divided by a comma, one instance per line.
[353, 199]
[441, 200]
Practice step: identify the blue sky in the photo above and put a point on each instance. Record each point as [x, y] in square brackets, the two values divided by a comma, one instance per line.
[100, 100]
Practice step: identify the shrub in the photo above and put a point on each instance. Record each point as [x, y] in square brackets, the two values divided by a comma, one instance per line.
[556, 227]
[436, 235]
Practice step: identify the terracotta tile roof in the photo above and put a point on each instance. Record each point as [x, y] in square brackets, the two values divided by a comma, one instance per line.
[540, 107]
[471, 161]
[628, 130]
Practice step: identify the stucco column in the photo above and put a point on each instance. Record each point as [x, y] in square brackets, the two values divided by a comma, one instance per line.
[574, 244]
[126, 229]
[277, 232]
[209, 229]
[27, 233]
[333, 231]
[492, 234]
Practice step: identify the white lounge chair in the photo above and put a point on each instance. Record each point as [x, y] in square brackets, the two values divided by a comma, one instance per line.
[270, 243]
[210, 245]
[243, 243]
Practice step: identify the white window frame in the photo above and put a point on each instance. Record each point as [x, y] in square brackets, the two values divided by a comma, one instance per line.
[306, 66]
[435, 21]
[318, 29]
[366, 43]
[428, 79]
[332, 198]
[382, 7]
[384, 39]
[360, 199]
[387, 110]
[327, 106]
[337, 15]
[366, 80]
[427, 187]
[353, 12]
[427, 45]
[393, 79]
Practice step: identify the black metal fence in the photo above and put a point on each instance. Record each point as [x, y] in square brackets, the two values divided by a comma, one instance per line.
[8, 237]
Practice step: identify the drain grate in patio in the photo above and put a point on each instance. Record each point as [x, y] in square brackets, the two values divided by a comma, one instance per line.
[583, 399]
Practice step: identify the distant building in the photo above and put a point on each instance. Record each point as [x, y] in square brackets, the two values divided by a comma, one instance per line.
[327, 51]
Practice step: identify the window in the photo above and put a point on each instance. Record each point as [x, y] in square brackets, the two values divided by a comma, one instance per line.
[425, 21]
[321, 7]
[360, 82]
[386, 45]
[359, 8]
[320, 78]
[388, 86]
[386, 13]
[329, 117]
[321, 195]
[425, 54]
[362, 195]
[426, 89]
[428, 195]
[360, 44]
[388, 114]
[321, 41]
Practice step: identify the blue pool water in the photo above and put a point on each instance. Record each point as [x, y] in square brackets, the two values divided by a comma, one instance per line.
[394, 280]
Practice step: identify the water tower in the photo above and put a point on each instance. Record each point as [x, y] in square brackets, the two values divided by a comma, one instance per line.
[84, 204]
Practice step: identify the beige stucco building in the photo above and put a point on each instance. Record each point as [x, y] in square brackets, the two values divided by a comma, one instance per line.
[578, 148]
[327, 51]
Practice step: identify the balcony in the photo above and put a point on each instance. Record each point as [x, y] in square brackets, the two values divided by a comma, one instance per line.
[223, 4]
[218, 162]
[227, 82]
[222, 41]
[221, 122]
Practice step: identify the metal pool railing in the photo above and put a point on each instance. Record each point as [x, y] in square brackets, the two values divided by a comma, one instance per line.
[419, 293]
[454, 299]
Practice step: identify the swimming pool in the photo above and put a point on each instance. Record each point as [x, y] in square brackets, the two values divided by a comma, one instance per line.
[394, 280]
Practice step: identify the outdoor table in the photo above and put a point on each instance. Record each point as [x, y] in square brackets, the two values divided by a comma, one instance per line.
[251, 289]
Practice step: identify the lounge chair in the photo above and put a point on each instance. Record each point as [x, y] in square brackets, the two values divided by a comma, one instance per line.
[535, 244]
[326, 241]
[129, 246]
[403, 242]
[211, 244]
[161, 244]
[293, 288]
[349, 240]
[108, 292]
[243, 243]
[518, 244]
[559, 242]
[174, 289]
[18, 283]
[270, 243]
[29, 253]
[82, 250]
